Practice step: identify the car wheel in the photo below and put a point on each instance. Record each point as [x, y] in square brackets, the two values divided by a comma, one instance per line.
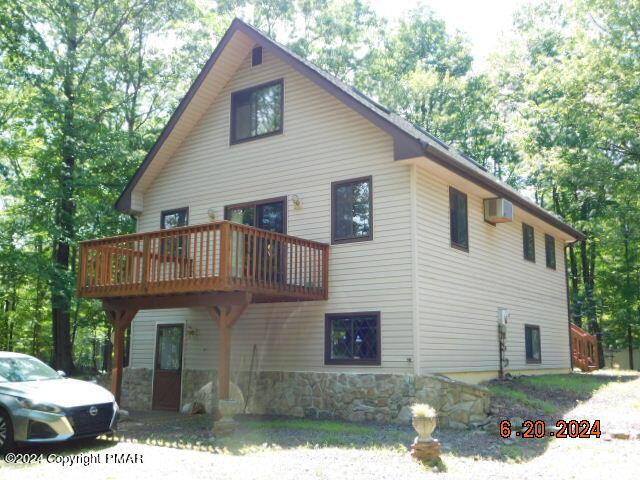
[6, 433]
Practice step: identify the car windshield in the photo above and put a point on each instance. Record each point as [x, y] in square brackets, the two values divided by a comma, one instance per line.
[24, 369]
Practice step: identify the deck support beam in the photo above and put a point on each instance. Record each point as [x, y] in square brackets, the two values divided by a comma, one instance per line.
[226, 316]
[120, 319]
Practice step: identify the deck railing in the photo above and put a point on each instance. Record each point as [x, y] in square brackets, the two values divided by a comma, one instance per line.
[585, 349]
[219, 256]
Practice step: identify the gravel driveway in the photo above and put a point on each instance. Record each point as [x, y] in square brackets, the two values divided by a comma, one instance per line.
[617, 405]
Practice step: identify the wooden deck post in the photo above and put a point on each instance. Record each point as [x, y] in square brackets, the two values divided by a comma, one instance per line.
[120, 319]
[225, 316]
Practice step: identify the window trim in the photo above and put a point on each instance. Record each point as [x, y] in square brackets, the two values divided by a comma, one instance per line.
[255, 204]
[525, 226]
[452, 244]
[334, 185]
[164, 213]
[531, 360]
[546, 251]
[232, 115]
[328, 317]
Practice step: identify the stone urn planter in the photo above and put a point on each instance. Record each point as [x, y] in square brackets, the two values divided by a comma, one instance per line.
[424, 421]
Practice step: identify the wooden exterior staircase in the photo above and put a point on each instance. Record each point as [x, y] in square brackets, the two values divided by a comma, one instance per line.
[584, 349]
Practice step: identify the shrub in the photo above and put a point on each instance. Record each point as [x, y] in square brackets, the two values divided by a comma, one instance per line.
[422, 410]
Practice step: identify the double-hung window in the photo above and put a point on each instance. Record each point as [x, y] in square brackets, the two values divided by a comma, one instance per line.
[550, 251]
[352, 210]
[528, 243]
[458, 223]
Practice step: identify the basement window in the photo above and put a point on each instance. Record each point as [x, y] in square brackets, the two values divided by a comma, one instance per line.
[352, 338]
[257, 112]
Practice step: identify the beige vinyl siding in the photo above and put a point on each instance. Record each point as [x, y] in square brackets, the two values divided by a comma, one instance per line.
[459, 293]
[323, 141]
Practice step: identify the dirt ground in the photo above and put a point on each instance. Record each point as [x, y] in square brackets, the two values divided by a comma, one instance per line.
[169, 446]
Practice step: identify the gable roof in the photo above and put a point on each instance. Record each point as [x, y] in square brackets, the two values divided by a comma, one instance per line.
[410, 141]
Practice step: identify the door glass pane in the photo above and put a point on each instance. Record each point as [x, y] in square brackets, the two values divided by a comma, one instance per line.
[271, 217]
[169, 354]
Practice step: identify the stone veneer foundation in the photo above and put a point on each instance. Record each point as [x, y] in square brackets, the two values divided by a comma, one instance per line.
[355, 397]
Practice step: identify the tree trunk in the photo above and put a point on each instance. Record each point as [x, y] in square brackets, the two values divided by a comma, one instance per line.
[630, 344]
[576, 310]
[65, 211]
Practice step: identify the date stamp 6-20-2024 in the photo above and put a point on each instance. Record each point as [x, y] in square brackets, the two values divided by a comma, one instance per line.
[563, 429]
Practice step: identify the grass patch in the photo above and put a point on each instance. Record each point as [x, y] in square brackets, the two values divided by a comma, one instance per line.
[576, 383]
[325, 426]
[513, 452]
[516, 395]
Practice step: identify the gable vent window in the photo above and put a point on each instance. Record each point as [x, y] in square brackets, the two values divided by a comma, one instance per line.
[256, 56]
[257, 112]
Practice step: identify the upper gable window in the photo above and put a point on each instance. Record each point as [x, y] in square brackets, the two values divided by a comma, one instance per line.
[256, 56]
[528, 243]
[459, 223]
[257, 112]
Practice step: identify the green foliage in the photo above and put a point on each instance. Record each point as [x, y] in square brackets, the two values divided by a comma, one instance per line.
[576, 383]
[572, 77]
[513, 452]
[518, 396]
[327, 426]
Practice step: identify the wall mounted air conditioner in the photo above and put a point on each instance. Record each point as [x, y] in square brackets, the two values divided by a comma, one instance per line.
[498, 210]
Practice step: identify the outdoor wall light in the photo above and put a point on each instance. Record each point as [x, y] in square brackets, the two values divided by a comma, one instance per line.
[297, 203]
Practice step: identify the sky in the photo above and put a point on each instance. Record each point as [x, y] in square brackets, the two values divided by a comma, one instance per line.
[481, 20]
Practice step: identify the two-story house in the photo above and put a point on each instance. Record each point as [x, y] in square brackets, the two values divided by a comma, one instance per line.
[306, 243]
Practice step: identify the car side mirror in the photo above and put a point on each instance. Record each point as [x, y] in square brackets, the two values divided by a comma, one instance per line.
[61, 373]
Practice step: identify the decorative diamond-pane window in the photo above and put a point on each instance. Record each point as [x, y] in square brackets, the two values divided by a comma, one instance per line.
[352, 338]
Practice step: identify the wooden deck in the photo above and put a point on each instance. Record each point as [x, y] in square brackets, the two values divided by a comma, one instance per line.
[212, 257]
